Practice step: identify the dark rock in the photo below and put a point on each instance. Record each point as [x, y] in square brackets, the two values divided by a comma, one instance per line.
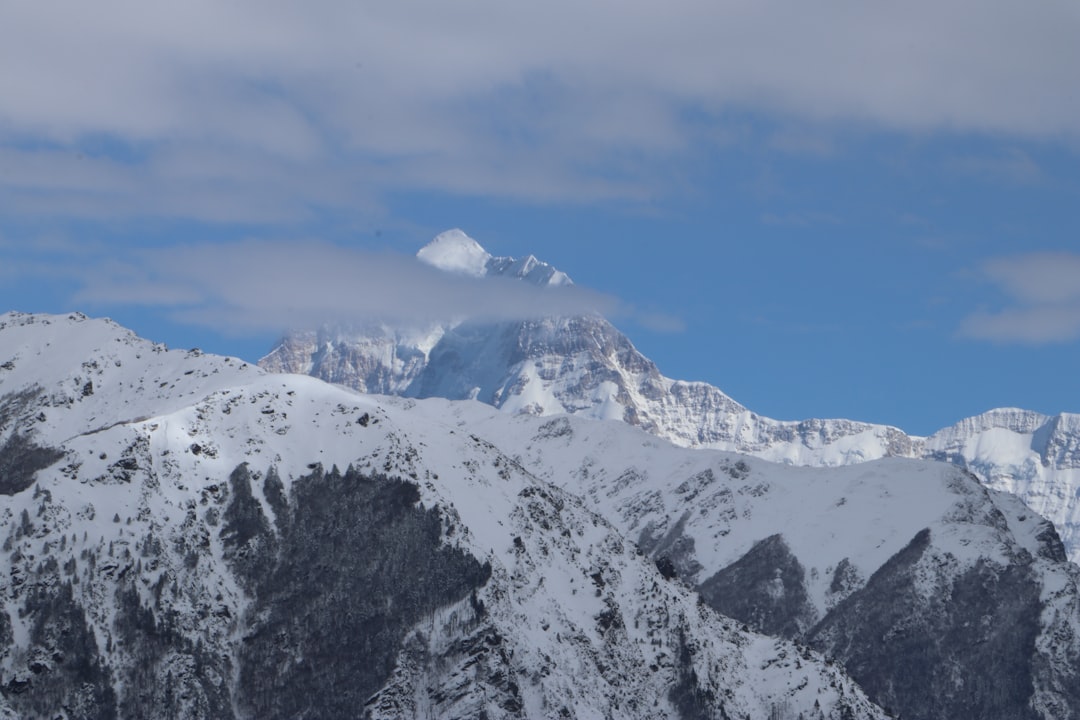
[79, 684]
[765, 588]
[963, 650]
[674, 545]
[1050, 545]
[20, 459]
[359, 563]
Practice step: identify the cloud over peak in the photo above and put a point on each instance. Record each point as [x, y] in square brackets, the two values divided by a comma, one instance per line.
[258, 286]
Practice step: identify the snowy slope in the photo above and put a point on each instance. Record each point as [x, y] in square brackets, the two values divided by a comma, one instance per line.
[864, 513]
[172, 528]
[1036, 457]
[454, 251]
[584, 366]
[842, 558]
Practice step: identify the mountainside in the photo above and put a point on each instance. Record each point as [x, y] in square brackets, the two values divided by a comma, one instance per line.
[188, 536]
[584, 366]
[1034, 456]
[923, 582]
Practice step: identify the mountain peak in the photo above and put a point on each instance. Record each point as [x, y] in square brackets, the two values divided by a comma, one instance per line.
[456, 252]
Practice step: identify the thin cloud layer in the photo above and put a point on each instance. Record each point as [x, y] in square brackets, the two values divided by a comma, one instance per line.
[245, 111]
[1044, 300]
[252, 287]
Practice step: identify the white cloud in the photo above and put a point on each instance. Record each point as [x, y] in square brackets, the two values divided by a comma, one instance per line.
[253, 286]
[1044, 300]
[1031, 325]
[329, 103]
[1038, 278]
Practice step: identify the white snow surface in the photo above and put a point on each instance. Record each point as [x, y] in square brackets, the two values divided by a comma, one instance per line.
[727, 502]
[456, 252]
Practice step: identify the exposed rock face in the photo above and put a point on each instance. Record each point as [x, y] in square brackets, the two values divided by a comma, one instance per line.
[345, 611]
[374, 359]
[929, 643]
[765, 588]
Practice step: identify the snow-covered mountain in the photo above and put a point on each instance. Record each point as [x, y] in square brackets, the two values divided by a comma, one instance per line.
[907, 571]
[584, 366]
[189, 536]
[392, 359]
[579, 365]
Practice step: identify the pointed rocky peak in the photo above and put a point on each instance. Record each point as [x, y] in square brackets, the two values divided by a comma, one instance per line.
[456, 252]
[528, 269]
[537, 272]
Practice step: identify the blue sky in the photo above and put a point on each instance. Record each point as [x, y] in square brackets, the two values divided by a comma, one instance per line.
[845, 209]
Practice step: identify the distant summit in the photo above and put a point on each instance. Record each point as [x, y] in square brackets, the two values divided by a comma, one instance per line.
[582, 365]
[456, 252]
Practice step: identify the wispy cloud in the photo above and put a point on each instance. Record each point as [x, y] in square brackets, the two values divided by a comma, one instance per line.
[661, 322]
[267, 111]
[1013, 166]
[808, 219]
[1043, 291]
[257, 286]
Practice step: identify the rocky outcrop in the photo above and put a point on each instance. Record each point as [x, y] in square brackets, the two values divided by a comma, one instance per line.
[929, 644]
[765, 588]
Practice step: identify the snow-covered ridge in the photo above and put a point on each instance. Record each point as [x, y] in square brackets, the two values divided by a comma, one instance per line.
[1054, 438]
[92, 372]
[810, 552]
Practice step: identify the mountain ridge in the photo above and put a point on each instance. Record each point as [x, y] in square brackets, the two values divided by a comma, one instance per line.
[220, 541]
[208, 540]
[584, 366]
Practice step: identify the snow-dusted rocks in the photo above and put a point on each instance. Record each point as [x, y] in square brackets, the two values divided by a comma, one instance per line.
[1034, 456]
